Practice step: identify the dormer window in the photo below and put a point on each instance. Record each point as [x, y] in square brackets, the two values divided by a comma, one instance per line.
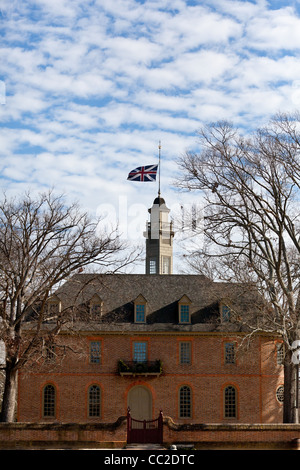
[225, 311]
[140, 309]
[184, 314]
[184, 310]
[140, 313]
[96, 305]
[54, 306]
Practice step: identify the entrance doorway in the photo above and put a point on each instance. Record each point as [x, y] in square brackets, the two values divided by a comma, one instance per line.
[139, 401]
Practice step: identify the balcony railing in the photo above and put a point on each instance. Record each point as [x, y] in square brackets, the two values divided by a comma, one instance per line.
[139, 368]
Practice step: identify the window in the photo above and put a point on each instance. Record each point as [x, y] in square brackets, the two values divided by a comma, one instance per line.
[140, 351]
[54, 306]
[50, 353]
[184, 314]
[166, 265]
[185, 403]
[140, 309]
[95, 309]
[54, 309]
[140, 313]
[230, 402]
[49, 401]
[184, 311]
[185, 352]
[152, 266]
[96, 305]
[280, 353]
[280, 394]
[225, 311]
[94, 401]
[229, 353]
[95, 352]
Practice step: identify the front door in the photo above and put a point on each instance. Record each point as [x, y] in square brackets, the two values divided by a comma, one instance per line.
[140, 403]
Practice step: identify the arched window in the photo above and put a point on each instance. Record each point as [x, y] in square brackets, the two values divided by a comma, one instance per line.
[94, 401]
[185, 402]
[49, 401]
[230, 402]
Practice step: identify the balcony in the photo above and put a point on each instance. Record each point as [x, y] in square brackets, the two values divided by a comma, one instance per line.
[149, 368]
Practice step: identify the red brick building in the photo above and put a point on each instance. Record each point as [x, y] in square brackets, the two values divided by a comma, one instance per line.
[152, 342]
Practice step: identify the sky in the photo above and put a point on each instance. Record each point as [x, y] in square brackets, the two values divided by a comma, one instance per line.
[89, 88]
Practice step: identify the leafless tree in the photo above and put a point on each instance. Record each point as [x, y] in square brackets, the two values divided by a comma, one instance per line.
[43, 242]
[250, 187]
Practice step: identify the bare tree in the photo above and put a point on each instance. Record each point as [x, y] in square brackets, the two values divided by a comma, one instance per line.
[251, 187]
[42, 243]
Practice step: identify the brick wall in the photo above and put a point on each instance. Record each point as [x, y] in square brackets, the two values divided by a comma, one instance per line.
[233, 436]
[199, 436]
[256, 376]
[35, 435]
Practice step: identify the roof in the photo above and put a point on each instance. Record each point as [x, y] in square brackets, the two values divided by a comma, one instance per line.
[161, 292]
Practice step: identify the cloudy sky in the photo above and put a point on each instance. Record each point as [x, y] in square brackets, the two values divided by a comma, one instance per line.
[88, 88]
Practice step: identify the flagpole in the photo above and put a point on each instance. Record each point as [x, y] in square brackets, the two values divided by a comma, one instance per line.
[159, 148]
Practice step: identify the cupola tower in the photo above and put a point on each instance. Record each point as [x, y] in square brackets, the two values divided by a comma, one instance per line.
[159, 239]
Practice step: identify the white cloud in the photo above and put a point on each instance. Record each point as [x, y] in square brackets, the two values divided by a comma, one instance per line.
[197, 26]
[275, 30]
[242, 10]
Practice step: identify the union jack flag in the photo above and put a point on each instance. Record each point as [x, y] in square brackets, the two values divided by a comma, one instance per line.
[143, 173]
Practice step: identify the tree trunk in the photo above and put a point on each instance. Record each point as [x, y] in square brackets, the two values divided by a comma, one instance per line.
[10, 395]
[290, 405]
